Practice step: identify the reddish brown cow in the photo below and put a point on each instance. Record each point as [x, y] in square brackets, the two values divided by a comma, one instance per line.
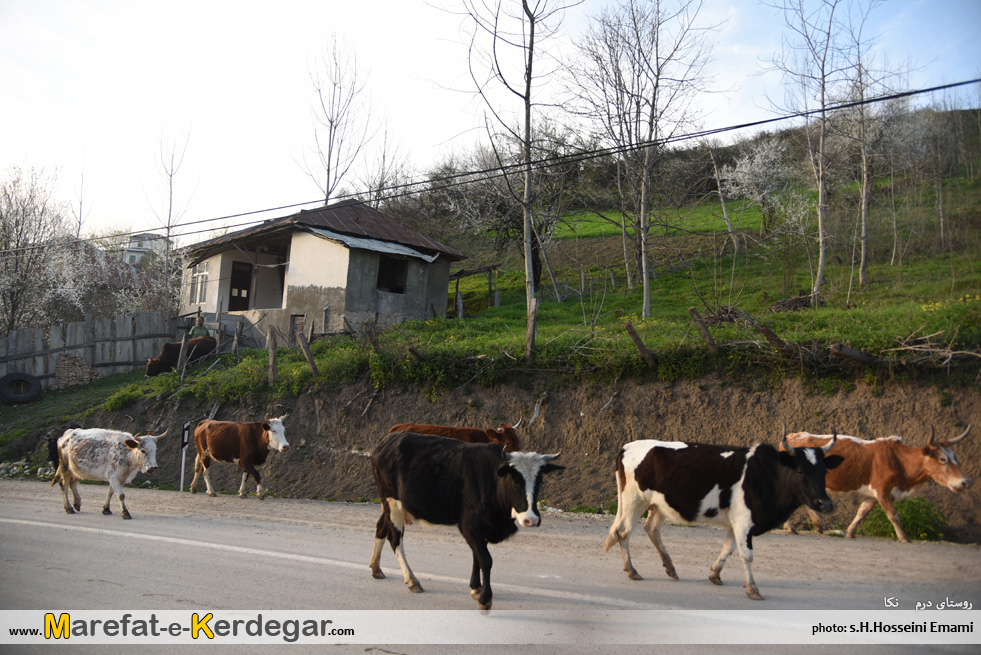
[247, 444]
[885, 470]
[504, 434]
[197, 348]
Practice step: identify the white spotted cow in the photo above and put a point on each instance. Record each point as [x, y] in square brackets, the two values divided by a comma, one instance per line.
[109, 455]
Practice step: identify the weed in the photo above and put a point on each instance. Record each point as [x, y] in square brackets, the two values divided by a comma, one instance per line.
[917, 516]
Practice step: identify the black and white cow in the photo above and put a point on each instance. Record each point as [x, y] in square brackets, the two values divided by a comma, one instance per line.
[748, 491]
[477, 487]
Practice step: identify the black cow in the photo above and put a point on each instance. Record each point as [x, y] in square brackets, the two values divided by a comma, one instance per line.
[748, 491]
[477, 487]
[197, 348]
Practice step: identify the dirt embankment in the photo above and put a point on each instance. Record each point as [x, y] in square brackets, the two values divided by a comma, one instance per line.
[332, 432]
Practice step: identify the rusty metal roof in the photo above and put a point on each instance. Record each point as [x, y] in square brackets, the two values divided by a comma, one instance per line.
[346, 217]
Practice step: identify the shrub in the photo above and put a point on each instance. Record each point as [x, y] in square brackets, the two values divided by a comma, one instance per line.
[918, 517]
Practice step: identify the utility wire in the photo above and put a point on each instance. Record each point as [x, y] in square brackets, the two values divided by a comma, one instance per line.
[496, 172]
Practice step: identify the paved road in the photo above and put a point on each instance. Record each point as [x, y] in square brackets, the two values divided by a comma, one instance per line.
[192, 552]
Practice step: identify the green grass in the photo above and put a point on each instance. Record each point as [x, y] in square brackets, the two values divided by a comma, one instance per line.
[700, 218]
[920, 520]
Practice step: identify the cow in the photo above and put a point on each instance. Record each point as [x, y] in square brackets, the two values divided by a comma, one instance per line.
[503, 434]
[885, 470]
[245, 444]
[197, 348]
[747, 491]
[481, 488]
[109, 455]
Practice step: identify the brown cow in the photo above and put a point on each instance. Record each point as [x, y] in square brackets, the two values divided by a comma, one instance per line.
[197, 348]
[885, 470]
[504, 434]
[246, 444]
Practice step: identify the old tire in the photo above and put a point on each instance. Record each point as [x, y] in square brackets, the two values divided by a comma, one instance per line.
[19, 388]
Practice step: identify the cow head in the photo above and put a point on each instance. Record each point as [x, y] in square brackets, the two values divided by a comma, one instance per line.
[521, 475]
[154, 367]
[276, 433]
[505, 434]
[941, 464]
[811, 466]
[145, 448]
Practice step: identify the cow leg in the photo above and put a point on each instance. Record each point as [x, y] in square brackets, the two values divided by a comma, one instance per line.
[198, 469]
[744, 543]
[715, 575]
[382, 530]
[395, 534]
[652, 526]
[70, 482]
[482, 562]
[620, 531]
[860, 515]
[105, 507]
[206, 463]
[251, 470]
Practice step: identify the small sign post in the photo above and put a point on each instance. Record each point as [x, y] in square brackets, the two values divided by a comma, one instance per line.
[184, 440]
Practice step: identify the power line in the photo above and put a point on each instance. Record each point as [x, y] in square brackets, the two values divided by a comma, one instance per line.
[469, 177]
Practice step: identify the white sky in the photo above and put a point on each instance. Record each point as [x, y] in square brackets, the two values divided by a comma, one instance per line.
[94, 87]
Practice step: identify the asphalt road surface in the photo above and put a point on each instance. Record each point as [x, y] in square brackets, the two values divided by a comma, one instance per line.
[192, 552]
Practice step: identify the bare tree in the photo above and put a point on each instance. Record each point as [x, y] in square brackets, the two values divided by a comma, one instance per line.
[505, 49]
[643, 65]
[31, 223]
[342, 115]
[816, 60]
[388, 169]
[170, 160]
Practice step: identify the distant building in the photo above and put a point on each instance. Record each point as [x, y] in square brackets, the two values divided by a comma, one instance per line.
[142, 246]
[340, 266]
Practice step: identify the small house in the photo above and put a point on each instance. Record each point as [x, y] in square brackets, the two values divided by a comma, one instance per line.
[334, 268]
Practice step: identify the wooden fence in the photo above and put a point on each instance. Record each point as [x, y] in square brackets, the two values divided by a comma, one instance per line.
[86, 349]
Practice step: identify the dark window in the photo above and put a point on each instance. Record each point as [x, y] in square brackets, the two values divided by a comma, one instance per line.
[392, 274]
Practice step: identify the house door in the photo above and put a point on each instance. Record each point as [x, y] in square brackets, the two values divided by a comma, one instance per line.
[241, 287]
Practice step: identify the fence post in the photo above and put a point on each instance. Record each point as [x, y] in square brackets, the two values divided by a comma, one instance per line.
[305, 347]
[271, 346]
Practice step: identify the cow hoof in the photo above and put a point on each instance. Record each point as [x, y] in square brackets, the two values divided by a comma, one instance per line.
[212, 494]
[715, 578]
[193, 491]
[78, 507]
[106, 511]
[671, 573]
[633, 575]
[475, 593]
[261, 497]
[126, 516]
[754, 594]
[378, 575]
[485, 609]
[243, 495]
[415, 588]
[69, 510]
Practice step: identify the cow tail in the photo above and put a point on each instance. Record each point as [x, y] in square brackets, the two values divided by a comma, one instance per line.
[621, 477]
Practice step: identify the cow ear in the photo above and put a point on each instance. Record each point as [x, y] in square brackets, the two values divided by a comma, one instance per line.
[503, 469]
[833, 461]
[265, 426]
[132, 443]
[786, 459]
[549, 468]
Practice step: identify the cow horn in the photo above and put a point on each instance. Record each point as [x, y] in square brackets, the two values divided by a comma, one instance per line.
[831, 444]
[963, 434]
[784, 444]
[161, 436]
[930, 440]
[515, 426]
[266, 420]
